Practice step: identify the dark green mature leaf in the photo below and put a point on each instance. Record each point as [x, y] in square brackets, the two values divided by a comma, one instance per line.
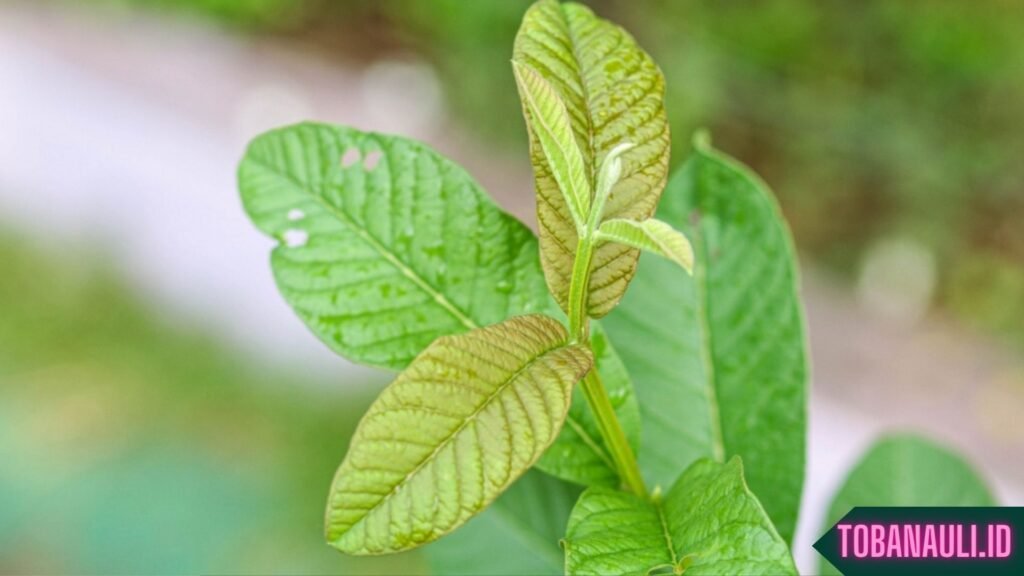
[470, 415]
[400, 254]
[708, 523]
[579, 455]
[385, 245]
[518, 534]
[613, 93]
[906, 470]
[719, 359]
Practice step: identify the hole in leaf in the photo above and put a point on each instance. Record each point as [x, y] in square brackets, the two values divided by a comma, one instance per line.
[296, 214]
[295, 238]
[372, 159]
[350, 157]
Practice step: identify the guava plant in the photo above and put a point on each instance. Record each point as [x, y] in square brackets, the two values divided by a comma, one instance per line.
[638, 443]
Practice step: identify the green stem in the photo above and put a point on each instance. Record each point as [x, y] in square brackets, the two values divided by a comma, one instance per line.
[597, 397]
[611, 431]
[579, 284]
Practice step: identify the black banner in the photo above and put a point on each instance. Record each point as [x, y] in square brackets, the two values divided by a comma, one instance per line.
[923, 540]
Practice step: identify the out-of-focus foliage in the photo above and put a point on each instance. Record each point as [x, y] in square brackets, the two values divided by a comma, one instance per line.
[253, 14]
[871, 119]
[130, 443]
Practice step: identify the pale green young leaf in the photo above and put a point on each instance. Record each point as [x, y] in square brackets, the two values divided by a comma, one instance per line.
[384, 245]
[548, 122]
[609, 174]
[650, 235]
[719, 359]
[906, 470]
[579, 454]
[518, 534]
[468, 416]
[709, 522]
[613, 93]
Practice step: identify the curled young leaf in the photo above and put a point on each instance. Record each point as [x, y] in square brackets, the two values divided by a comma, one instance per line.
[613, 93]
[548, 121]
[470, 415]
[651, 235]
[609, 175]
[708, 523]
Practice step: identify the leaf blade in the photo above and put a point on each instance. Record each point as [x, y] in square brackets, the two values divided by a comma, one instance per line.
[518, 534]
[489, 401]
[720, 359]
[708, 523]
[650, 235]
[372, 277]
[613, 92]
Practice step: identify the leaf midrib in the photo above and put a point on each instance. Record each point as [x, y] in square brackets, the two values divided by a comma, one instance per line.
[706, 350]
[666, 533]
[470, 418]
[377, 245]
[590, 442]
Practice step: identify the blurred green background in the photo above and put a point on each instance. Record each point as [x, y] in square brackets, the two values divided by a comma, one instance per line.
[871, 119]
[134, 444]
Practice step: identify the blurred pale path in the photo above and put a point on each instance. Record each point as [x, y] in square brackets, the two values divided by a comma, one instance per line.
[124, 136]
[129, 135]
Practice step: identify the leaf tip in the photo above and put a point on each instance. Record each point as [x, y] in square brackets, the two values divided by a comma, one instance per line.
[702, 140]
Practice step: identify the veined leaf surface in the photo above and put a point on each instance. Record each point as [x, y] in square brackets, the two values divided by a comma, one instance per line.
[518, 534]
[905, 470]
[384, 244]
[708, 523]
[470, 415]
[613, 93]
[400, 254]
[650, 235]
[719, 359]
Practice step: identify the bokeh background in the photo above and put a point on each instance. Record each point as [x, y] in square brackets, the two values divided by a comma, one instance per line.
[162, 411]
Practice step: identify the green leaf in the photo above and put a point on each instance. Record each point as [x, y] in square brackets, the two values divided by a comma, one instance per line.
[708, 523]
[719, 359]
[518, 534]
[906, 470]
[461, 423]
[378, 295]
[579, 454]
[651, 235]
[549, 122]
[613, 93]
[384, 245]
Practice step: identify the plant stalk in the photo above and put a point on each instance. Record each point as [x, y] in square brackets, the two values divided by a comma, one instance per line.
[612, 433]
[593, 389]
